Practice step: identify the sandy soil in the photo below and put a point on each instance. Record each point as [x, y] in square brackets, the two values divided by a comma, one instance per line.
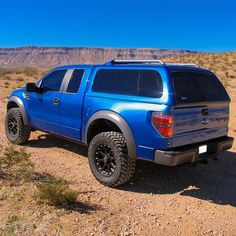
[182, 200]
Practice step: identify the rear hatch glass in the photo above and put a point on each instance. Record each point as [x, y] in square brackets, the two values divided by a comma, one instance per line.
[193, 87]
[202, 109]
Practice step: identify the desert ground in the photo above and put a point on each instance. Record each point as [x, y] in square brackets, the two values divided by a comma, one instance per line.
[159, 200]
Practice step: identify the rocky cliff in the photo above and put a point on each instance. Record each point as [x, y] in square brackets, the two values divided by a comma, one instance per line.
[53, 56]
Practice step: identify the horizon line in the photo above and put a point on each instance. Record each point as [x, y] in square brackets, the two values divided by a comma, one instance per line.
[118, 48]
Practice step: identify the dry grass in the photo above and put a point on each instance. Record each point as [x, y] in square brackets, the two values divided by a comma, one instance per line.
[6, 77]
[56, 192]
[15, 166]
[20, 184]
[27, 195]
[20, 79]
[12, 223]
[17, 169]
[28, 71]
[13, 78]
[6, 84]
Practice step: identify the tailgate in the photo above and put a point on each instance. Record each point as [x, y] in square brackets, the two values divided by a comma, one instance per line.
[199, 123]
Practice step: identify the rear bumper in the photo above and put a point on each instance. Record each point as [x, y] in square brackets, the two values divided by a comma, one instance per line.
[190, 153]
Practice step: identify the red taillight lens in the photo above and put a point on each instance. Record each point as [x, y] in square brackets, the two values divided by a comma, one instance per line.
[164, 124]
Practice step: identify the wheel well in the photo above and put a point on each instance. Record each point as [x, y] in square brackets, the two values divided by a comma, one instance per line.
[12, 105]
[99, 126]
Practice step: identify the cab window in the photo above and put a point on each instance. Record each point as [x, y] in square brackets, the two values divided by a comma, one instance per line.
[52, 82]
[75, 81]
[146, 83]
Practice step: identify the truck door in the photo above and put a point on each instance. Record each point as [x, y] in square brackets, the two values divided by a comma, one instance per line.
[45, 105]
[71, 106]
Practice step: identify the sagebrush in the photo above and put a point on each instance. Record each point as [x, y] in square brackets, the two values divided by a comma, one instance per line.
[56, 192]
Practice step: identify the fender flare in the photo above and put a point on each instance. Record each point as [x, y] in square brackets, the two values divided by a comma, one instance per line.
[121, 124]
[21, 106]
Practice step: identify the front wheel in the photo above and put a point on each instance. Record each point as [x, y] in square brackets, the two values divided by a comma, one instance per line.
[109, 160]
[16, 131]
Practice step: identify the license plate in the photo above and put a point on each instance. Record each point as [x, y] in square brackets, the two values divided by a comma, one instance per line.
[202, 149]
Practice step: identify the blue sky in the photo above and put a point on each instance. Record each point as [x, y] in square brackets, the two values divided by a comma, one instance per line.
[205, 25]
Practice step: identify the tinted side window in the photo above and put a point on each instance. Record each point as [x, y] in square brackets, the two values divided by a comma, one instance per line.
[211, 88]
[185, 87]
[75, 81]
[150, 84]
[146, 83]
[116, 81]
[52, 82]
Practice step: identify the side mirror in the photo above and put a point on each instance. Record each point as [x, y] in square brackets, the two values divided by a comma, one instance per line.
[31, 87]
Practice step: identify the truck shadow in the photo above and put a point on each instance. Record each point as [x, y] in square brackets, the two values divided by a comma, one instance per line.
[214, 182]
[49, 141]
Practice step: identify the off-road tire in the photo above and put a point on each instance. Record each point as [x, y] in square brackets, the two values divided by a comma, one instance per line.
[23, 131]
[125, 166]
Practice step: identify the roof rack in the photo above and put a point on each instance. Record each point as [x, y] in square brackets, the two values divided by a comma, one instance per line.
[112, 62]
[183, 64]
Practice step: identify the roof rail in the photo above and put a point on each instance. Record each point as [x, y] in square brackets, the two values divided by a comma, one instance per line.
[114, 62]
[184, 64]
[135, 62]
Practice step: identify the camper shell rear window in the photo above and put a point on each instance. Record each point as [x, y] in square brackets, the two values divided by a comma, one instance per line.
[197, 87]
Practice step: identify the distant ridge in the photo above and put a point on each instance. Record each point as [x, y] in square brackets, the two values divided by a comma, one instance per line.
[54, 56]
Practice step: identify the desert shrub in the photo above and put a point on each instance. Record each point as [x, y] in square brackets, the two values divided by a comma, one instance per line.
[223, 68]
[56, 192]
[12, 156]
[7, 71]
[11, 226]
[20, 79]
[6, 77]
[200, 62]
[15, 166]
[30, 71]
[6, 84]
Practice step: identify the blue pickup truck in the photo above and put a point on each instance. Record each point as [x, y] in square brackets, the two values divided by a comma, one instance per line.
[169, 114]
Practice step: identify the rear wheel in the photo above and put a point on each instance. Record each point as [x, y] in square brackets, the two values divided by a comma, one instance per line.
[16, 131]
[109, 160]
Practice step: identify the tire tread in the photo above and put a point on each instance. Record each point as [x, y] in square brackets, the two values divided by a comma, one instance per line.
[127, 164]
[24, 130]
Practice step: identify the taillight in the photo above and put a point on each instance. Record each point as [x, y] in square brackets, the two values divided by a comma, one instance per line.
[163, 123]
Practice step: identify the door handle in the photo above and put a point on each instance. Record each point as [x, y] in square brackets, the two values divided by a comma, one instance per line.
[56, 101]
[205, 121]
